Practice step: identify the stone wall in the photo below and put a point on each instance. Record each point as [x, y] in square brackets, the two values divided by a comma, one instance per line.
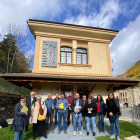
[7, 103]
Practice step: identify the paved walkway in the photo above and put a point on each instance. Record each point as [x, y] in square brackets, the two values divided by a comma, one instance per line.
[69, 135]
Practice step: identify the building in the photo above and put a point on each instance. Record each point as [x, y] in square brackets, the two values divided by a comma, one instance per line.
[70, 58]
[130, 96]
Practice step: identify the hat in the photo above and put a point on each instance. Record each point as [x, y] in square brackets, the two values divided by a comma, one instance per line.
[38, 97]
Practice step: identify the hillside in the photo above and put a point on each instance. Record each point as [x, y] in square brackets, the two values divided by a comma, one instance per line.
[133, 72]
[13, 88]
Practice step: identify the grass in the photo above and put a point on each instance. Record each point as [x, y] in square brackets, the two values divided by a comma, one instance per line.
[127, 129]
[7, 134]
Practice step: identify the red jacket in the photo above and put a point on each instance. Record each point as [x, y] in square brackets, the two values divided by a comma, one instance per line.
[69, 98]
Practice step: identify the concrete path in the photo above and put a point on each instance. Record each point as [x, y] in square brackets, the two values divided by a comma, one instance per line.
[69, 135]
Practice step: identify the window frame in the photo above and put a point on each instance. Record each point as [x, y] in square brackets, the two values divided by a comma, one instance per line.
[66, 54]
[81, 56]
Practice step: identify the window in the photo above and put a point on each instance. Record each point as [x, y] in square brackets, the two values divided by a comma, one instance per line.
[66, 55]
[81, 56]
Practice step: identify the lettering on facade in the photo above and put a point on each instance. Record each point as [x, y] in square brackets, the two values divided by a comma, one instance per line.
[49, 54]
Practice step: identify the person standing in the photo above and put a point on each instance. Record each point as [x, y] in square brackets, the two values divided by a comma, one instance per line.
[62, 112]
[113, 113]
[50, 104]
[20, 118]
[56, 110]
[77, 106]
[83, 112]
[39, 126]
[92, 96]
[90, 109]
[101, 113]
[30, 101]
[69, 99]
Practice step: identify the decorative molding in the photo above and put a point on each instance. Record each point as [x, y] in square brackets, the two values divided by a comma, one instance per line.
[74, 65]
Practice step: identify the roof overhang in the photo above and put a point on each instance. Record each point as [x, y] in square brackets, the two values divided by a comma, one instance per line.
[46, 28]
[25, 78]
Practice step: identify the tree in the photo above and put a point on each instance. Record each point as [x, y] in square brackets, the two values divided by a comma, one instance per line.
[23, 41]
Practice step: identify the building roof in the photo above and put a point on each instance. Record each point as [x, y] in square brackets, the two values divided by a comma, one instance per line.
[72, 24]
[44, 76]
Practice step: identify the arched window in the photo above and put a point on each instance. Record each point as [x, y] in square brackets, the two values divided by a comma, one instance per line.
[66, 54]
[81, 56]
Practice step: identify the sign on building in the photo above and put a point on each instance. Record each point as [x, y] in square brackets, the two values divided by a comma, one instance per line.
[49, 53]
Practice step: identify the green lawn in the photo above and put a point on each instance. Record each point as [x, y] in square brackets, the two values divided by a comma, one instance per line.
[7, 134]
[127, 129]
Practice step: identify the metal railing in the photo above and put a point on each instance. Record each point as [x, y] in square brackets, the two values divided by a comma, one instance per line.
[136, 115]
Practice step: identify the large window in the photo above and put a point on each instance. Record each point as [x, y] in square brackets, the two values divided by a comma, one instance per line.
[81, 56]
[66, 55]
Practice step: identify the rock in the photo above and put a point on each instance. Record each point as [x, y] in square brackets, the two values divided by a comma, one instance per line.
[132, 138]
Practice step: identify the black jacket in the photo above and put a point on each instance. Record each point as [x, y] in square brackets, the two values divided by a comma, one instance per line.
[94, 100]
[29, 101]
[55, 100]
[93, 112]
[20, 120]
[83, 112]
[113, 106]
[73, 104]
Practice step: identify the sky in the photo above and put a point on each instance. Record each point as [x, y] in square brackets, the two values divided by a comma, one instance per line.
[122, 15]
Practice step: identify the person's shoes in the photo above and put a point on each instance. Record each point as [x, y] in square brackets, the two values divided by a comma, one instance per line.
[84, 128]
[87, 133]
[68, 124]
[80, 133]
[74, 133]
[100, 130]
[112, 136]
[65, 132]
[52, 131]
[94, 133]
[58, 132]
[55, 123]
[103, 130]
[45, 137]
[118, 138]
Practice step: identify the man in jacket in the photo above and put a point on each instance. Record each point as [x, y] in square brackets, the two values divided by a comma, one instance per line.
[69, 99]
[77, 106]
[62, 106]
[56, 110]
[92, 96]
[84, 100]
[30, 101]
[50, 104]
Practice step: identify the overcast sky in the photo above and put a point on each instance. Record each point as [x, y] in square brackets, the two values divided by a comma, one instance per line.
[123, 15]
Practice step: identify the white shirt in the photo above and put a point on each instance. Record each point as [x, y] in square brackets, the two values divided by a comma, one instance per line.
[32, 100]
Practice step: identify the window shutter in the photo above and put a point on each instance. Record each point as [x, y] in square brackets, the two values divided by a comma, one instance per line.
[49, 54]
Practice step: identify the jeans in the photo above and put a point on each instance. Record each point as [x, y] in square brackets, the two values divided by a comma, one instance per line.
[60, 114]
[50, 116]
[93, 120]
[75, 121]
[101, 120]
[56, 111]
[18, 135]
[116, 123]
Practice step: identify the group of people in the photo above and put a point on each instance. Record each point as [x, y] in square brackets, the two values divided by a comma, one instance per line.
[87, 110]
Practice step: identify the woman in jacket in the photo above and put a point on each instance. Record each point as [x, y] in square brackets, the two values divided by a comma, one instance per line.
[113, 113]
[100, 112]
[20, 119]
[39, 126]
[90, 113]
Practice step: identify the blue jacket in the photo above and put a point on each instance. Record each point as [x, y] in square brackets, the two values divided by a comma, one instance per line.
[20, 120]
[65, 103]
[49, 105]
[102, 107]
